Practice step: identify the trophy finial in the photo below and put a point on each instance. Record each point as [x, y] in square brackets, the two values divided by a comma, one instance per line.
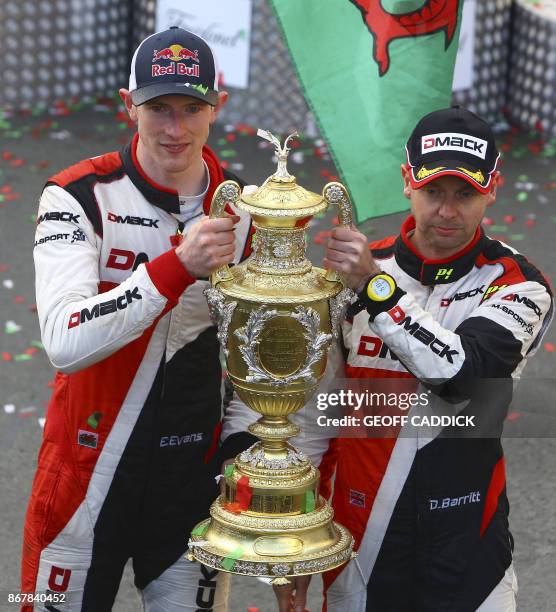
[281, 152]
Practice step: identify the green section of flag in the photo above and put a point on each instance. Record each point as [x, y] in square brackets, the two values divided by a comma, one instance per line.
[366, 118]
[229, 561]
[229, 470]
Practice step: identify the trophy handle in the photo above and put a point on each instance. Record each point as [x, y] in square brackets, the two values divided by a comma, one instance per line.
[228, 191]
[336, 193]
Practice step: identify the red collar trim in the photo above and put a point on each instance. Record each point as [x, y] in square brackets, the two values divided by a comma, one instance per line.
[409, 225]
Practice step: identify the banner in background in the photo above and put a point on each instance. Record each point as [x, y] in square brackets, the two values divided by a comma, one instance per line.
[369, 70]
[464, 72]
[226, 26]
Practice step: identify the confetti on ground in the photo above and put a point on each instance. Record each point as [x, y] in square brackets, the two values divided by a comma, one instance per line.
[513, 416]
[8, 283]
[12, 327]
[26, 412]
[9, 408]
[549, 347]
[41, 421]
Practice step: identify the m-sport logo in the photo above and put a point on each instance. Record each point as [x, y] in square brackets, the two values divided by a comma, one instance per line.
[129, 220]
[104, 308]
[448, 141]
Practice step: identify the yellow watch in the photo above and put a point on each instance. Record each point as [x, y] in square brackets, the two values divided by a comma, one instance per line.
[381, 287]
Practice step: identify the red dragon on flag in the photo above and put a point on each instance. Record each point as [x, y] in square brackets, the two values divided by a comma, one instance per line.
[433, 16]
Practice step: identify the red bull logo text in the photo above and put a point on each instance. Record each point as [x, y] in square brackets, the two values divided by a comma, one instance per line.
[175, 53]
[158, 70]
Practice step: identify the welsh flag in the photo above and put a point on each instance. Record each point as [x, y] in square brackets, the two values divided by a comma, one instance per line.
[369, 70]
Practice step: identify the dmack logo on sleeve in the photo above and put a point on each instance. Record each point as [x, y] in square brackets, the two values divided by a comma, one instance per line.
[104, 308]
[448, 141]
[422, 334]
[58, 216]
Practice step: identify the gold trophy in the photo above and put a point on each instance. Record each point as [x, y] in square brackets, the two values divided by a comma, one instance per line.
[276, 316]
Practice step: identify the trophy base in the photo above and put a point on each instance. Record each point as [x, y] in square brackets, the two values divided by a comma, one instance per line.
[283, 529]
[275, 548]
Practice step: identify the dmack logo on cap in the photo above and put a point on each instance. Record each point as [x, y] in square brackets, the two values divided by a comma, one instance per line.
[449, 141]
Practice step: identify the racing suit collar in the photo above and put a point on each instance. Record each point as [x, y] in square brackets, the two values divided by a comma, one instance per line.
[435, 271]
[158, 195]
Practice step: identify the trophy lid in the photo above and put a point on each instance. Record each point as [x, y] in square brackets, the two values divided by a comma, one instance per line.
[280, 196]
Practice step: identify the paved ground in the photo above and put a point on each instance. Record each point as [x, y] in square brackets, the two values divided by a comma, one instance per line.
[34, 147]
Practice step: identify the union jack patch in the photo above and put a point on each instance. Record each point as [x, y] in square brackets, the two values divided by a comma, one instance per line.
[356, 498]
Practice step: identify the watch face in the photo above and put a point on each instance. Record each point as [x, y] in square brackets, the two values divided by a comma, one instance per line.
[381, 287]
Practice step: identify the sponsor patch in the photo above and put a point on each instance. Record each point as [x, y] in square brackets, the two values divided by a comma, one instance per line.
[491, 291]
[58, 216]
[59, 578]
[182, 69]
[371, 346]
[87, 438]
[176, 53]
[476, 176]
[130, 220]
[425, 336]
[521, 299]
[104, 308]
[462, 296]
[397, 314]
[125, 260]
[528, 327]
[450, 141]
[424, 173]
[51, 238]
[443, 274]
[78, 236]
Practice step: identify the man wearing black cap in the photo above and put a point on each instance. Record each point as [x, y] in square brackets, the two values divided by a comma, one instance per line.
[441, 308]
[123, 251]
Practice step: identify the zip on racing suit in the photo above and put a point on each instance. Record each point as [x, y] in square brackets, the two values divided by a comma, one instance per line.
[128, 460]
[428, 507]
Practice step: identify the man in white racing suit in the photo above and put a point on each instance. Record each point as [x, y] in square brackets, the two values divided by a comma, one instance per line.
[446, 310]
[123, 250]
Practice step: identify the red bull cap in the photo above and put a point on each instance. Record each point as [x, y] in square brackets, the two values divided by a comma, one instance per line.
[174, 61]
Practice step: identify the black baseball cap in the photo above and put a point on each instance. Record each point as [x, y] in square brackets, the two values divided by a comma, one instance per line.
[174, 61]
[452, 141]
